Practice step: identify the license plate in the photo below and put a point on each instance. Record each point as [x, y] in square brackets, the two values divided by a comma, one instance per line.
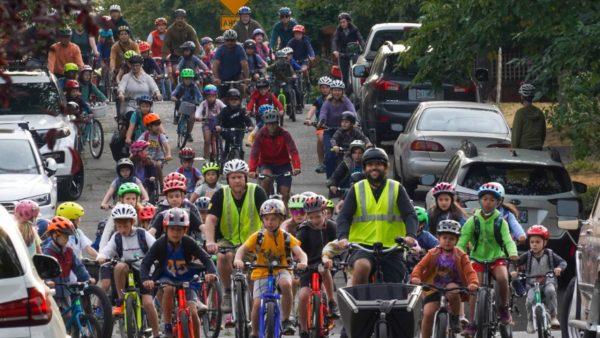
[397, 127]
[523, 216]
[423, 94]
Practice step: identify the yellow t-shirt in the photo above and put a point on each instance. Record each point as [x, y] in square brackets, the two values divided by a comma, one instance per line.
[271, 249]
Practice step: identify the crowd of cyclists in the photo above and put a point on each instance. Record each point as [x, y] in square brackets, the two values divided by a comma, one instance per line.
[215, 220]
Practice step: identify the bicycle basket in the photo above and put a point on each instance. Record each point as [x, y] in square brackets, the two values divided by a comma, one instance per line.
[187, 108]
[100, 110]
[360, 309]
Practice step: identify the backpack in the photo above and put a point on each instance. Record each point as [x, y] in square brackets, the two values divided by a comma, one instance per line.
[546, 252]
[286, 240]
[194, 174]
[99, 232]
[497, 233]
[146, 136]
[141, 236]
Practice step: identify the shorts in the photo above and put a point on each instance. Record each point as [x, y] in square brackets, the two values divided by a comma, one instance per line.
[106, 272]
[392, 265]
[282, 181]
[190, 294]
[305, 278]
[320, 132]
[260, 285]
[432, 298]
[478, 267]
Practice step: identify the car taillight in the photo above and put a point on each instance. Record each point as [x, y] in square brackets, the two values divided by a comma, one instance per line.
[362, 80]
[499, 145]
[466, 90]
[76, 162]
[420, 145]
[383, 118]
[30, 311]
[382, 84]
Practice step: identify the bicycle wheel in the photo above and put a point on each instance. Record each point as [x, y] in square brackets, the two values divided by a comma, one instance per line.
[130, 320]
[482, 311]
[241, 318]
[234, 153]
[182, 132]
[314, 324]
[283, 100]
[96, 140]
[540, 322]
[292, 107]
[96, 304]
[270, 320]
[212, 296]
[440, 325]
[89, 328]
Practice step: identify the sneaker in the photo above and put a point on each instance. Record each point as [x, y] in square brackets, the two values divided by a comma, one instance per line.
[469, 330]
[167, 331]
[505, 317]
[530, 328]
[229, 321]
[226, 304]
[454, 323]
[554, 323]
[334, 312]
[117, 310]
[320, 169]
[288, 328]
[463, 321]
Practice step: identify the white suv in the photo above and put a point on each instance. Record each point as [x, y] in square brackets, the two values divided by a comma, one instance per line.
[36, 99]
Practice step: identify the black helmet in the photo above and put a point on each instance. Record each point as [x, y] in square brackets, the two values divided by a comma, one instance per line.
[136, 59]
[188, 45]
[345, 15]
[180, 12]
[249, 44]
[124, 162]
[219, 39]
[349, 116]
[375, 155]
[262, 83]
[233, 93]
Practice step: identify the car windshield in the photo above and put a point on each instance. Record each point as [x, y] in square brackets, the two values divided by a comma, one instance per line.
[519, 178]
[10, 267]
[22, 159]
[462, 120]
[30, 98]
[393, 69]
[380, 37]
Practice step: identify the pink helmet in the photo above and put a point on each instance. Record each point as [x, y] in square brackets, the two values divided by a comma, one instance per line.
[443, 188]
[138, 146]
[26, 210]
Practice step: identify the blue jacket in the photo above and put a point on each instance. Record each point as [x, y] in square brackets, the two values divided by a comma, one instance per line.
[516, 230]
[427, 240]
[302, 48]
[189, 93]
[284, 34]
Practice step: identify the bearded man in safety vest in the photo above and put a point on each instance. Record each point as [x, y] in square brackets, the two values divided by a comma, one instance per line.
[376, 209]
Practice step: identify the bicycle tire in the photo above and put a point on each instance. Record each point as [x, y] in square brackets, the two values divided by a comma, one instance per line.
[105, 318]
[270, 320]
[234, 153]
[91, 328]
[540, 322]
[482, 310]
[440, 325]
[315, 324]
[292, 107]
[131, 327]
[241, 319]
[211, 321]
[182, 132]
[184, 325]
[283, 100]
[96, 131]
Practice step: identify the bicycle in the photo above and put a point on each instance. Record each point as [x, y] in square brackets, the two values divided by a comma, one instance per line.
[241, 303]
[441, 322]
[211, 294]
[233, 149]
[97, 302]
[486, 316]
[378, 253]
[541, 323]
[183, 326]
[320, 322]
[186, 112]
[89, 130]
[289, 107]
[273, 188]
[82, 321]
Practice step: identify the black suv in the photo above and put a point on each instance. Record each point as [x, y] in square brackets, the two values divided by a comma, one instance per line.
[388, 99]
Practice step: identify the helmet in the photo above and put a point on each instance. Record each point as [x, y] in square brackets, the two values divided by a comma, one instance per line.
[299, 28]
[264, 108]
[65, 31]
[375, 155]
[175, 176]
[233, 93]
[70, 210]
[150, 118]
[270, 116]
[105, 19]
[328, 203]
[443, 188]
[87, 68]
[208, 166]
[235, 166]
[106, 33]
[205, 40]
[422, 215]
[203, 203]
[288, 50]
[280, 54]
[356, 144]
[114, 8]
[448, 226]
[176, 217]
[520, 287]
[337, 84]
[128, 54]
[230, 34]
[129, 187]
[144, 98]
[124, 29]
[71, 67]
[26, 210]
[285, 11]
[138, 146]
[180, 13]
[258, 31]
[71, 84]
[527, 90]
[219, 39]
[124, 211]
[210, 89]
[188, 45]
[349, 116]
[262, 83]
[147, 213]
[308, 194]
[174, 185]
[345, 15]
[160, 21]
[494, 188]
[144, 46]
[60, 224]
[249, 44]
[296, 202]
[124, 162]
[136, 59]
[538, 230]
[314, 203]
[324, 81]
[187, 153]
[272, 206]
[244, 10]
[187, 73]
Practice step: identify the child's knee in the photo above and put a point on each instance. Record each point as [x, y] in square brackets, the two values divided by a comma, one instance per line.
[147, 301]
[285, 284]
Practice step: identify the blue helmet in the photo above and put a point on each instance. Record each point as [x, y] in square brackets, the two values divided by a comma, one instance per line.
[493, 188]
[244, 10]
[265, 108]
[203, 203]
[144, 98]
[210, 89]
[285, 11]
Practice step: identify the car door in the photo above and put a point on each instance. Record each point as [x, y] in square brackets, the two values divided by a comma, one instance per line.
[589, 251]
[368, 90]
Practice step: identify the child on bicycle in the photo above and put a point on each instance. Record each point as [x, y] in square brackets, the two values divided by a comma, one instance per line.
[129, 193]
[262, 48]
[494, 248]
[314, 234]
[125, 174]
[210, 172]
[296, 209]
[127, 243]
[351, 163]
[233, 116]
[348, 133]
[159, 150]
[149, 66]
[283, 71]
[79, 242]
[538, 261]
[207, 46]
[425, 239]
[71, 72]
[144, 168]
[262, 96]
[444, 266]
[87, 88]
[256, 64]
[329, 208]
[26, 213]
[203, 206]
[446, 206]
[269, 244]
[189, 60]
[146, 215]
[207, 113]
[174, 253]
[187, 91]
[324, 83]
[136, 121]
[192, 175]
[73, 94]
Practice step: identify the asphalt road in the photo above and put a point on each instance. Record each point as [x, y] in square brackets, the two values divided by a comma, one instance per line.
[99, 173]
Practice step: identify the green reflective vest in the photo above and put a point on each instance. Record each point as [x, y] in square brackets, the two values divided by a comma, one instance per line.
[230, 223]
[376, 221]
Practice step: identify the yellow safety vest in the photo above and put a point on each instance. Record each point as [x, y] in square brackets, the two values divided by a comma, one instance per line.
[376, 221]
[230, 223]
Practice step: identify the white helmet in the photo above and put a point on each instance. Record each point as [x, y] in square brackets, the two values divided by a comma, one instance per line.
[235, 166]
[527, 90]
[114, 7]
[337, 84]
[123, 211]
[324, 80]
[287, 50]
[448, 226]
[272, 206]
[230, 34]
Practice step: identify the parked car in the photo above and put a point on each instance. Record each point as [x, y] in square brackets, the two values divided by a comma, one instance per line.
[580, 306]
[437, 129]
[36, 99]
[388, 96]
[26, 175]
[534, 181]
[381, 32]
[26, 305]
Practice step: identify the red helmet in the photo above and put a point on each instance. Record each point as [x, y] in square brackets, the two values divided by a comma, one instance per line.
[160, 21]
[174, 185]
[538, 230]
[175, 176]
[138, 146]
[187, 153]
[71, 84]
[147, 213]
[443, 188]
[144, 46]
[298, 28]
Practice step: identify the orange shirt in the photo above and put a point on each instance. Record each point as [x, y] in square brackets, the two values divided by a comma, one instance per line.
[59, 55]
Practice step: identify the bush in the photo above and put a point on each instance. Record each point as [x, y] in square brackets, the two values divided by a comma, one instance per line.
[588, 199]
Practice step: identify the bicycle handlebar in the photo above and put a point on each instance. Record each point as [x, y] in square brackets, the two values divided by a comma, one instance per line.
[427, 286]
[399, 246]
[548, 274]
[285, 174]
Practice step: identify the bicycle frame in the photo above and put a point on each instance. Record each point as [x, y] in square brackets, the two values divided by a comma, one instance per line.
[132, 292]
[538, 304]
[271, 296]
[275, 188]
[240, 277]
[76, 311]
[322, 323]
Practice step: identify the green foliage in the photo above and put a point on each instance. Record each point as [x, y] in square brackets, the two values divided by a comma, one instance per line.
[585, 166]
[588, 199]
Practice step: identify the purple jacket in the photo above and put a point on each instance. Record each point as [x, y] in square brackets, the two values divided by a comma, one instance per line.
[331, 114]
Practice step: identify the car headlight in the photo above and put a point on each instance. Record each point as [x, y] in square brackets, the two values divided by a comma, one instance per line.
[43, 199]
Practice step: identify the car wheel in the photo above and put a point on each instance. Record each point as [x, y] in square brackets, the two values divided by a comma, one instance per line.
[565, 307]
[395, 171]
[72, 188]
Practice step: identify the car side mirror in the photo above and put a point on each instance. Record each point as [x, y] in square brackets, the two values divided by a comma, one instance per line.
[360, 71]
[579, 187]
[567, 212]
[51, 166]
[482, 74]
[428, 180]
[47, 266]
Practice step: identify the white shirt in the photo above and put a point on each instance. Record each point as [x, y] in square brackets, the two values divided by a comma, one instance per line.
[131, 246]
[78, 243]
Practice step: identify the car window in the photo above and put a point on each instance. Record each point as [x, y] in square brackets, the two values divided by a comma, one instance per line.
[22, 157]
[31, 98]
[411, 122]
[462, 120]
[382, 36]
[10, 266]
[518, 178]
[393, 69]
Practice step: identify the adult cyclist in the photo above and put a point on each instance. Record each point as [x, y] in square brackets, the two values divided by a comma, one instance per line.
[177, 33]
[245, 26]
[230, 62]
[345, 35]
[282, 30]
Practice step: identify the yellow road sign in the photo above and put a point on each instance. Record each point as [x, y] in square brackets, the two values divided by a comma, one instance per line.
[234, 5]
[227, 21]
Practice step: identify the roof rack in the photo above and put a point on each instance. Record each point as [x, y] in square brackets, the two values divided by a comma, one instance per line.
[555, 155]
[469, 148]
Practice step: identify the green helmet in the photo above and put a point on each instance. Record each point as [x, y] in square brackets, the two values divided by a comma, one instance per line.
[187, 73]
[208, 166]
[422, 215]
[127, 188]
[330, 204]
[128, 54]
[71, 67]
[296, 202]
